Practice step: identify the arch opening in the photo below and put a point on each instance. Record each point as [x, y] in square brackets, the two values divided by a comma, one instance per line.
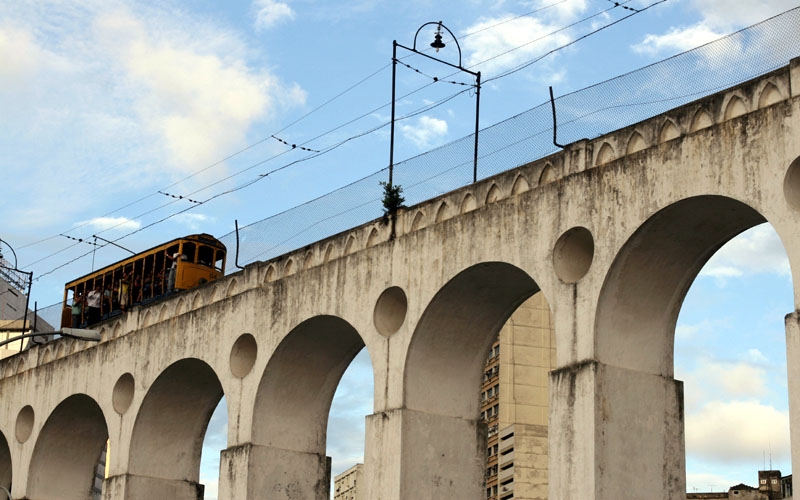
[455, 333]
[67, 451]
[292, 419]
[168, 433]
[640, 338]
[730, 351]
[645, 286]
[479, 360]
[5, 463]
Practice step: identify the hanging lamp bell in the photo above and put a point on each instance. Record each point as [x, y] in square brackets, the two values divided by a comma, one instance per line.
[437, 42]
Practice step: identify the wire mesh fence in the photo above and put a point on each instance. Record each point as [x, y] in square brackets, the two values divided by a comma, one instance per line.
[587, 113]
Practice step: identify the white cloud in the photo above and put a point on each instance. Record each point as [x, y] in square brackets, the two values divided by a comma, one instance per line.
[105, 223]
[758, 250]
[737, 432]
[723, 380]
[192, 220]
[198, 102]
[677, 40]
[425, 132]
[518, 40]
[271, 12]
[717, 17]
[136, 93]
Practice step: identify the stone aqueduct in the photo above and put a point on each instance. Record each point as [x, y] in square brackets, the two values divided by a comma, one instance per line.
[613, 230]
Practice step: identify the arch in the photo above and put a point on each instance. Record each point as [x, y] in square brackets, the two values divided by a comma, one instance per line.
[288, 268]
[418, 220]
[700, 120]
[48, 354]
[605, 154]
[520, 185]
[450, 344]
[493, 195]
[61, 349]
[163, 313]
[372, 239]
[117, 331]
[769, 95]
[350, 246]
[648, 280]
[309, 259]
[329, 253]
[233, 288]
[736, 107]
[313, 356]
[635, 143]
[270, 274]
[181, 307]
[5, 463]
[67, 450]
[214, 294]
[468, 204]
[547, 176]
[443, 213]
[669, 131]
[197, 301]
[167, 436]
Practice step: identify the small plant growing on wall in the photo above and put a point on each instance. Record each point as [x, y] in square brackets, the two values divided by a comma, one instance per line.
[392, 198]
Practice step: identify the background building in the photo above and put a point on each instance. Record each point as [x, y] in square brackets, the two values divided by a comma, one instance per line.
[771, 486]
[515, 404]
[13, 322]
[345, 485]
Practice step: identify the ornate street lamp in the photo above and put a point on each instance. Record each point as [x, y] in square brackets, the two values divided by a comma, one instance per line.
[436, 44]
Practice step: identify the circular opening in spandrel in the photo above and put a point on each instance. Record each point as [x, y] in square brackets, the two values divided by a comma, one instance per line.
[243, 355]
[573, 254]
[791, 185]
[390, 310]
[122, 395]
[24, 424]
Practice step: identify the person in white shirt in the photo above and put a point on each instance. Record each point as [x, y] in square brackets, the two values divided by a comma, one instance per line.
[93, 299]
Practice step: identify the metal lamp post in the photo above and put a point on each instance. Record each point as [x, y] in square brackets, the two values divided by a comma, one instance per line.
[436, 44]
[74, 333]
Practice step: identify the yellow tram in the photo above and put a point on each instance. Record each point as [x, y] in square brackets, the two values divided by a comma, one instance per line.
[179, 264]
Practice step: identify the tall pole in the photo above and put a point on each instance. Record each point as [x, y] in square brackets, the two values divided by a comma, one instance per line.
[477, 120]
[391, 133]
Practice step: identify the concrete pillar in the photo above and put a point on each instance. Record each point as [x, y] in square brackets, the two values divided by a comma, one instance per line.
[615, 433]
[415, 455]
[249, 472]
[792, 322]
[130, 487]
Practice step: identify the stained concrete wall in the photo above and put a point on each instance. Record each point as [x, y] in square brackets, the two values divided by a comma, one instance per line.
[612, 230]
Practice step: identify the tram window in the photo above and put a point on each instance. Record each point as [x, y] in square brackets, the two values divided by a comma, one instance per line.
[188, 252]
[220, 260]
[205, 256]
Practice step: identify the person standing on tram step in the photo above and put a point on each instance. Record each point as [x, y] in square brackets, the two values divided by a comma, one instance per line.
[125, 290]
[93, 299]
[173, 269]
[77, 309]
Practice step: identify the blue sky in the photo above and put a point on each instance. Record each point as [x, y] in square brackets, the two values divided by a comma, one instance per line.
[107, 102]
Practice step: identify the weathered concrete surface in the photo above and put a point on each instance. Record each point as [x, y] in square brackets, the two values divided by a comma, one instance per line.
[612, 230]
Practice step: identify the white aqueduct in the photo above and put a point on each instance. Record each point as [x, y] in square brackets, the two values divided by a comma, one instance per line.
[612, 230]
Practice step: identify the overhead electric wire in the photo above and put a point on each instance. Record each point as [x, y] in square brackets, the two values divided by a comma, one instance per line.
[261, 141]
[328, 149]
